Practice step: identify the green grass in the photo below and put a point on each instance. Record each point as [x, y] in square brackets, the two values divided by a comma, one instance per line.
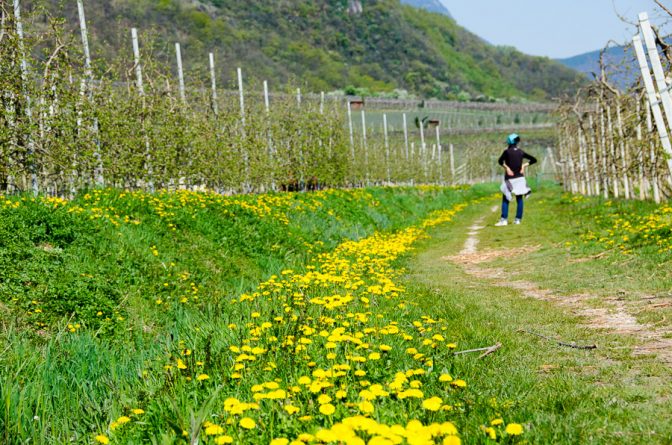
[101, 299]
[563, 395]
[100, 294]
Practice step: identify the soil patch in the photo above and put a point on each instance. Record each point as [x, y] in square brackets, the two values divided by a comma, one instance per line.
[616, 318]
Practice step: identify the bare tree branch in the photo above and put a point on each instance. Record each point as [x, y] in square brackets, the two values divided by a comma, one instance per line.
[663, 7]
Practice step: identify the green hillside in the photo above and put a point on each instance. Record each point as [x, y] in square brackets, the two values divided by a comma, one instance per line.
[324, 46]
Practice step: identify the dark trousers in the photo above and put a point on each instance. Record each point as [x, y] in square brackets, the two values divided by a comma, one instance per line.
[519, 207]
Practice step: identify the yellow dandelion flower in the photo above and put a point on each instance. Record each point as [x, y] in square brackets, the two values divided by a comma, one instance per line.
[247, 423]
[323, 399]
[213, 430]
[452, 440]
[366, 407]
[490, 432]
[514, 429]
[327, 409]
[291, 409]
[432, 404]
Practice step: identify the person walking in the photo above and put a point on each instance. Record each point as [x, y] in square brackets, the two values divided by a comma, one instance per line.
[514, 178]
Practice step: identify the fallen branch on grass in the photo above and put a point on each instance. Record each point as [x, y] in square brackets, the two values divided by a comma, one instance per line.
[489, 350]
[569, 345]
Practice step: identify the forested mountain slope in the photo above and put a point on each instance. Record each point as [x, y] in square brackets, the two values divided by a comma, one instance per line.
[381, 45]
[429, 5]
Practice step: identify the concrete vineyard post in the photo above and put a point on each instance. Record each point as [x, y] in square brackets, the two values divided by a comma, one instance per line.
[570, 160]
[653, 157]
[405, 135]
[241, 96]
[653, 100]
[423, 148]
[365, 145]
[267, 100]
[584, 187]
[387, 148]
[85, 88]
[593, 152]
[351, 129]
[267, 108]
[213, 84]
[180, 73]
[138, 67]
[85, 40]
[438, 147]
[141, 93]
[563, 162]
[29, 111]
[422, 136]
[452, 164]
[603, 155]
[612, 153]
[640, 155]
[298, 97]
[624, 150]
[657, 66]
[321, 102]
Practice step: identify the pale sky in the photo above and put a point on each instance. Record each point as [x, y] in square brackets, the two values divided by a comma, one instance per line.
[553, 28]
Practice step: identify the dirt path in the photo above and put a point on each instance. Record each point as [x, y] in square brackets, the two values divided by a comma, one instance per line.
[615, 318]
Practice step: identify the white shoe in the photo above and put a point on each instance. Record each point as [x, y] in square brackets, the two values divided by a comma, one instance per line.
[517, 221]
[502, 222]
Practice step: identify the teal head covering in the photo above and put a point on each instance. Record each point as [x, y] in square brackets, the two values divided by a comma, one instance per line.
[513, 139]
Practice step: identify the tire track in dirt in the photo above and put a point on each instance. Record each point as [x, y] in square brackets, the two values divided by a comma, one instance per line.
[615, 318]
